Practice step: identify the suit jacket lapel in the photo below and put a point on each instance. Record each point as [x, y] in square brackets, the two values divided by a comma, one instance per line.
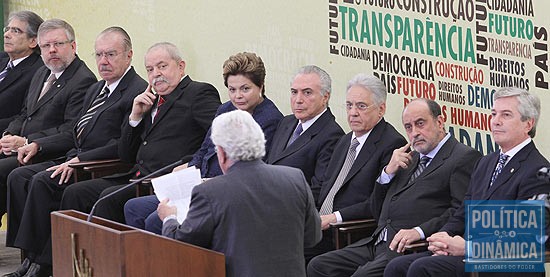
[443, 154]
[509, 169]
[281, 145]
[10, 77]
[113, 98]
[367, 150]
[57, 86]
[170, 100]
[341, 156]
[306, 136]
[34, 92]
[16, 72]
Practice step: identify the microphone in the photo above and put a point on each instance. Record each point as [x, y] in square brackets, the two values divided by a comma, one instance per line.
[172, 165]
[544, 174]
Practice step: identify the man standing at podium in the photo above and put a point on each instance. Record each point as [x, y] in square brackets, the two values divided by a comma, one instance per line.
[260, 216]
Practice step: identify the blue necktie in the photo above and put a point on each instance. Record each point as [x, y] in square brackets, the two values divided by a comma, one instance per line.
[501, 162]
[296, 134]
[4, 72]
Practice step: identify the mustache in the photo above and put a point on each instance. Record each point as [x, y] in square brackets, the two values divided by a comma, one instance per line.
[160, 79]
[104, 68]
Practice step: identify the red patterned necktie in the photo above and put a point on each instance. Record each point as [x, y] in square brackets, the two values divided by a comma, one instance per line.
[159, 103]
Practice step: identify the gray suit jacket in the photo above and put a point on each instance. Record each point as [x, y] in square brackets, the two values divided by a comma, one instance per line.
[260, 216]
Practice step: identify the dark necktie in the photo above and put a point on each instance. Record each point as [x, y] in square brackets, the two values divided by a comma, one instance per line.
[296, 134]
[4, 72]
[49, 83]
[96, 104]
[159, 103]
[420, 168]
[327, 206]
[501, 162]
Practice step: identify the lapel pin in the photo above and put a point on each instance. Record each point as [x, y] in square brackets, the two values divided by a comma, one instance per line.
[58, 85]
[512, 170]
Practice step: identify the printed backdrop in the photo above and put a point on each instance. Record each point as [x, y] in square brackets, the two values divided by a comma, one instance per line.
[456, 52]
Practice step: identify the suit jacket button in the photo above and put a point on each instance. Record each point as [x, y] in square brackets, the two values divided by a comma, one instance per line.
[388, 221]
[140, 161]
[393, 198]
[144, 142]
[29, 118]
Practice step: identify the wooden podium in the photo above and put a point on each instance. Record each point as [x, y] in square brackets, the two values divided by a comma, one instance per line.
[106, 248]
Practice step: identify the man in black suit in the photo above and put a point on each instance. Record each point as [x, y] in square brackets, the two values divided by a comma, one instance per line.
[95, 136]
[415, 194]
[515, 114]
[236, 213]
[53, 102]
[162, 128]
[357, 159]
[306, 138]
[18, 63]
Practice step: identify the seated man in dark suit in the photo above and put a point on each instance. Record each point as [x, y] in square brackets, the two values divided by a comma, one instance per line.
[162, 128]
[306, 138]
[415, 194]
[18, 63]
[236, 213]
[508, 174]
[244, 76]
[357, 159]
[95, 136]
[53, 102]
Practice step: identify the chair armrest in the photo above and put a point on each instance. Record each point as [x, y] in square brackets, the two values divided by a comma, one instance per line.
[98, 168]
[94, 162]
[348, 232]
[419, 246]
[144, 188]
[353, 223]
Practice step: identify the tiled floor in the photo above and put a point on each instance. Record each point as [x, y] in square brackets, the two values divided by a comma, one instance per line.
[10, 258]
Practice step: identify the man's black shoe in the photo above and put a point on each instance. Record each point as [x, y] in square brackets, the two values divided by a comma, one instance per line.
[21, 270]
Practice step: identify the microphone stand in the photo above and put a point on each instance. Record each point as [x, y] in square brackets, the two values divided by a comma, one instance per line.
[172, 165]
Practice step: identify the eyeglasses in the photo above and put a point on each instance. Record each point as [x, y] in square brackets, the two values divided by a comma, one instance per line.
[110, 55]
[360, 106]
[56, 45]
[14, 30]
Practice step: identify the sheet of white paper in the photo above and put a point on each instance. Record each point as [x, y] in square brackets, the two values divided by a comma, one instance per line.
[177, 187]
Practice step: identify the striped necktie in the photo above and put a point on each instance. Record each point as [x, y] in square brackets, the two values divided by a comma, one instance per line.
[4, 72]
[96, 104]
[420, 168]
[327, 206]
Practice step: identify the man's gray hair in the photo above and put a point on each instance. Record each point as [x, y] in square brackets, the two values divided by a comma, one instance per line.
[54, 24]
[326, 82]
[529, 104]
[171, 48]
[33, 21]
[372, 84]
[126, 41]
[241, 138]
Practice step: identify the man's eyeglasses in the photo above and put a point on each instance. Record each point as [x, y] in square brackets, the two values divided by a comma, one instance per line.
[360, 106]
[110, 55]
[14, 30]
[56, 45]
